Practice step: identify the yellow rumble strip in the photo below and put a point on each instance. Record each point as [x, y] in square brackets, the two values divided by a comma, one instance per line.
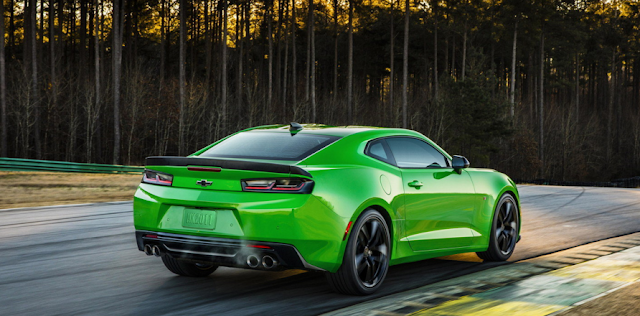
[543, 285]
[549, 292]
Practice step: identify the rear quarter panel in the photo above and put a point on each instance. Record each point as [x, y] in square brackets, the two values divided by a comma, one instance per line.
[349, 182]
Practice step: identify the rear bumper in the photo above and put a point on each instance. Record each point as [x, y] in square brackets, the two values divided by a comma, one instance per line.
[303, 221]
[222, 251]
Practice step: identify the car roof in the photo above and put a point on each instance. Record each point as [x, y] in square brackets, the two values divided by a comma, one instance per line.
[322, 129]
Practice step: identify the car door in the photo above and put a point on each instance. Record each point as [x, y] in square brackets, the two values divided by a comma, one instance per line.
[439, 202]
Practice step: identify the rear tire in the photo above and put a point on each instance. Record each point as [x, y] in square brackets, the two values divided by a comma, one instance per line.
[366, 258]
[185, 268]
[504, 230]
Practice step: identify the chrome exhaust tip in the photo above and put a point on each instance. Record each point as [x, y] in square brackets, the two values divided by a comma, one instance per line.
[268, 262]
[148, 250]
[253, 261]
[156, 251]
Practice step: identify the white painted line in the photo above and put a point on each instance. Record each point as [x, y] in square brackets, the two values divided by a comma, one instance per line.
[592, 298]
[603, 294]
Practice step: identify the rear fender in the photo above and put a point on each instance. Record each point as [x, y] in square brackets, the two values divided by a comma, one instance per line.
[386, 211]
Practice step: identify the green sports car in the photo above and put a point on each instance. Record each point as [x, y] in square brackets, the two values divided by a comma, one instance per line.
[348, 201]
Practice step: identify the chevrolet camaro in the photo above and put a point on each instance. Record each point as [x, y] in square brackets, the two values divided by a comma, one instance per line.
[347, 201]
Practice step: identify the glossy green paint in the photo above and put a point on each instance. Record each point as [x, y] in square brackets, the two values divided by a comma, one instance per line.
[450, 213]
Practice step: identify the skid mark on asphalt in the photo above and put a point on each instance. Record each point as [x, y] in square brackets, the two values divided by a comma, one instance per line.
[533, 287]
[571, 201]
[573, 219]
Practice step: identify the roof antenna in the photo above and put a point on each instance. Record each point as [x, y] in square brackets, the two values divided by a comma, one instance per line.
[294, 128]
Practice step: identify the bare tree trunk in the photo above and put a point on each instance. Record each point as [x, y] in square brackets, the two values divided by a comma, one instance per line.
[308, 65]
[117, 66]
[313, 63]
[435, 50]
[33, 61]
[577, 86]
[61, 44]
[286, 58]
[41, 34]
[12, 28]
[350, 67]
[208, 44]
[96, 57]
[240, 39]
[530, 84]
[512, 93]
[83, 37]
[405, 65]
[294, 62]
[541, 100]
[464, 50]
[278, 58]
[52, 60]
[223, 114]
[612, 96]
[392, 58]
[453, 58]
[335, 52]
[446, 55]
[163, 52]
[182, 70]
[270, 69]
[3, 86]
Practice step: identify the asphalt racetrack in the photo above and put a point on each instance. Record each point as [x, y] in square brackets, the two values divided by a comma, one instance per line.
[84, 260]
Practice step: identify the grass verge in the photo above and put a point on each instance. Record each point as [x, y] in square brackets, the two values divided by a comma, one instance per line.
[26, 189]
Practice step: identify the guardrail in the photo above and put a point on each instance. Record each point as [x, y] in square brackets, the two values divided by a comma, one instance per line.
[18, 164]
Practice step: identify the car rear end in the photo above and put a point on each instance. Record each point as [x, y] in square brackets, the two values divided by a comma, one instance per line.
[244, 203]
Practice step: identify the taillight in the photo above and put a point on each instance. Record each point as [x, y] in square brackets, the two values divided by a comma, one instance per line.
[155, 177]
[288, 185]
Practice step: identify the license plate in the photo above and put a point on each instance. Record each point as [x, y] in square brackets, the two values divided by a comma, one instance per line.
[200, 219]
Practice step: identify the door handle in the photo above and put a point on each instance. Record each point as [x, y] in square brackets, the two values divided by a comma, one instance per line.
[415, 184]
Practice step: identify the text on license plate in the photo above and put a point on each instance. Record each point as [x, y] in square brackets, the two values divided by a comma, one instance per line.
[201, 219]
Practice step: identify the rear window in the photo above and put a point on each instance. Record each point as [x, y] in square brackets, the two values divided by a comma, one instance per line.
[269, 146]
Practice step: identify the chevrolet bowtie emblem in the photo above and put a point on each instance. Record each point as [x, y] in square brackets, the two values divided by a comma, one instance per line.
[204, 183]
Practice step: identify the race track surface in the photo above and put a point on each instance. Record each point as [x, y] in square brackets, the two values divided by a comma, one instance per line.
[84, 260]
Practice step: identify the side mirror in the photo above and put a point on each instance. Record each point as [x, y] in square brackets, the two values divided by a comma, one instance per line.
[459, 162]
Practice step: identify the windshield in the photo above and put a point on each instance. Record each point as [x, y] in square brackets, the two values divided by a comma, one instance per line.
[269, 146]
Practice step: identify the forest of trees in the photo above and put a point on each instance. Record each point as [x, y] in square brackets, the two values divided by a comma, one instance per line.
[535, 88]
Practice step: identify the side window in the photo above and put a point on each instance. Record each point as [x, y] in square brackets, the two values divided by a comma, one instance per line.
[377, 150]
[414, 153]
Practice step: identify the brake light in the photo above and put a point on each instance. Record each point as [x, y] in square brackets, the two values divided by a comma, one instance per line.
[259, 246]
[289, 185]
[204, 169]
[155, 177]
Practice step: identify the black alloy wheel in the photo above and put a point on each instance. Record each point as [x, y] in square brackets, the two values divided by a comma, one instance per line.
[504, 231]
[371, 253]
[366, 259]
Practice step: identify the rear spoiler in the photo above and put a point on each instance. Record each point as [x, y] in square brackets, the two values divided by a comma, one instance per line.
[225, 164]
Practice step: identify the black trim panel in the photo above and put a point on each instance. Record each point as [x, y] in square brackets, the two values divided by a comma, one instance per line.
[221, 251]
[225, 164]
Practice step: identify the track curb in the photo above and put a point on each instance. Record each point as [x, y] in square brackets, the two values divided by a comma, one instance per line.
[544, 285]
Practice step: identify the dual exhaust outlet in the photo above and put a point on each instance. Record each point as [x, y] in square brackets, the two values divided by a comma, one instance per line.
[152, 250]
[268, 262]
